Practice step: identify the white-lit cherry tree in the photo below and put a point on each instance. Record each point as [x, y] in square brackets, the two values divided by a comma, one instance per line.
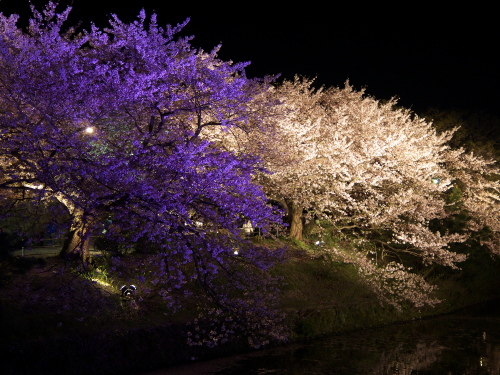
[376, 173]
[382, 175]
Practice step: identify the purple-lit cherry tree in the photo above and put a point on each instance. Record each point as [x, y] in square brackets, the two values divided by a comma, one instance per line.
[108, 122]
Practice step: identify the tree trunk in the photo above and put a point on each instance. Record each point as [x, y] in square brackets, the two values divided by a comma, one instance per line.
[296, 225]
[77, 242]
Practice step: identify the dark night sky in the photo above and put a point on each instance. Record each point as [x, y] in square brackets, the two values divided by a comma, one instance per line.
[426, 57]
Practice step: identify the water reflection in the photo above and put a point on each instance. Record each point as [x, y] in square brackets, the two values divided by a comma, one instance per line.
[465, 343]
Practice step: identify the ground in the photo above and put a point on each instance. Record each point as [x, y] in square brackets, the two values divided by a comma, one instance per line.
[54, 308]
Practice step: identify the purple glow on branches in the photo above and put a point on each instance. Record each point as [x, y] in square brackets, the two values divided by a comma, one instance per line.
[109, 122]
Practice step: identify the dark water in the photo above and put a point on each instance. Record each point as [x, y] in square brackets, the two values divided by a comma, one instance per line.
[463, 343]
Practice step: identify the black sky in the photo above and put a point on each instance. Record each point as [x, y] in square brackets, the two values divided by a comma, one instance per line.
[428, 57]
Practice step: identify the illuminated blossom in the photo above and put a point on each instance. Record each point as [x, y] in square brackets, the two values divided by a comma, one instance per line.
[147, 95]
[374, 173]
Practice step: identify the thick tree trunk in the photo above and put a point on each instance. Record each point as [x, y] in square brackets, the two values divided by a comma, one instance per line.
[77, 242]
[296, 224]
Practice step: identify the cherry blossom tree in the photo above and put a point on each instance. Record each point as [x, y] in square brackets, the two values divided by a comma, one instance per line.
[376, 173]
[354, 161]
[384, 176]
[364, 164]
[108, 122]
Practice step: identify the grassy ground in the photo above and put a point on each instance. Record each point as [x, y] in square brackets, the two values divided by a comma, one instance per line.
[45, 302]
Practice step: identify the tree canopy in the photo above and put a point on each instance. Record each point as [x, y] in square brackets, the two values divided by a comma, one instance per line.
[108, 122]
[375, 173]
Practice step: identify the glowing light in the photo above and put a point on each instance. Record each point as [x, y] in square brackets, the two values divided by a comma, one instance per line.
[435, 180]
[128, 291]
[100, 282]
[89, 130]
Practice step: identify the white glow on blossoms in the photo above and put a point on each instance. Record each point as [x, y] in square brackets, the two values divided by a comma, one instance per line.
[34, 186]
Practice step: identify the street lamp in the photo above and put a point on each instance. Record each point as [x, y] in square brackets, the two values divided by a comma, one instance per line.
[89, 130]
